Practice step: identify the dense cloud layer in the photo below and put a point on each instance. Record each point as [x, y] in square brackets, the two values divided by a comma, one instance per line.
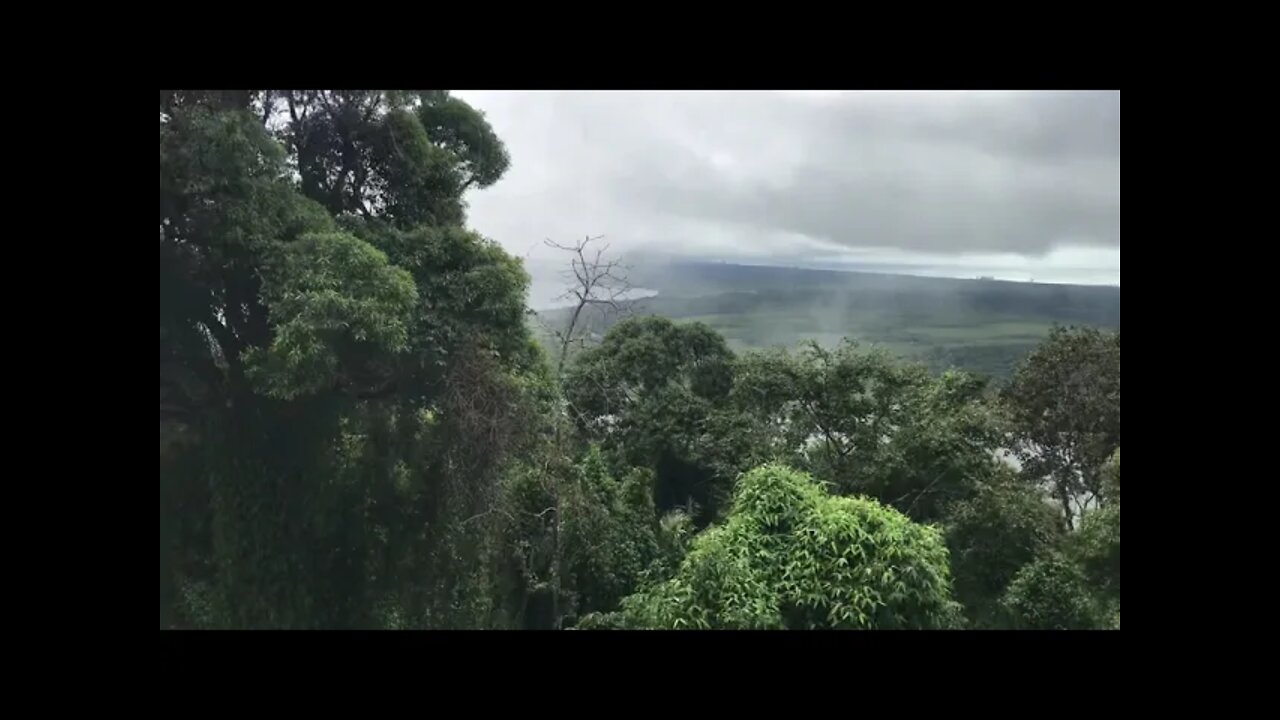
[800, 175]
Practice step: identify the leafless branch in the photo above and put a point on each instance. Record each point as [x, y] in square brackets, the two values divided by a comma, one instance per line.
[593, 282]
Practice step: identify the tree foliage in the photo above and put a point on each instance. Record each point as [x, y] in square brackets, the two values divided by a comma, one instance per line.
[581, 537]
[865, 423]
[1096, 546]
[1052, 594]
[1073, 584]
[992, 535]
[789, 556]
[353, 362]
[646, 392]
[1064, 413]
[358, 429]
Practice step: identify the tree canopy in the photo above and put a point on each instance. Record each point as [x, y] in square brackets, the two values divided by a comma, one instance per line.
[352, 360]
[360, 430]
[1064, 412]
[789, 556]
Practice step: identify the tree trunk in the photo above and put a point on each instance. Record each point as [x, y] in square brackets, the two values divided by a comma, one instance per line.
[1064, 495]
[555, 564]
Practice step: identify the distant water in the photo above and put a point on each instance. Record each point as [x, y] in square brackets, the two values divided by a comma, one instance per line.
[1040, 273]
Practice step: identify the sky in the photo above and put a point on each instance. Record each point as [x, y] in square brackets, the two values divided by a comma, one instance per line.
[1013, 185]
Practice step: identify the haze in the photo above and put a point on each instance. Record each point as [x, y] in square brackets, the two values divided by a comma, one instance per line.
[1013, 185]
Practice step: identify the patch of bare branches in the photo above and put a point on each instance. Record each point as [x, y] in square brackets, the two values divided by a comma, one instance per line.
[596, 284]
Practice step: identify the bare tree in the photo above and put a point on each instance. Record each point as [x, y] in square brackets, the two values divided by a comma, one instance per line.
[595, 284]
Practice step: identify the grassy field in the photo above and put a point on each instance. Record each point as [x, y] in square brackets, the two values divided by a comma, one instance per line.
[982, 326]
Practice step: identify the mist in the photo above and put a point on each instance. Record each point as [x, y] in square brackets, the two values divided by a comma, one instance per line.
[1013, 185]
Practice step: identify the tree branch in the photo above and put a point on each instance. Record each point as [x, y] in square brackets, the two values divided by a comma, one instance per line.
[593, 284]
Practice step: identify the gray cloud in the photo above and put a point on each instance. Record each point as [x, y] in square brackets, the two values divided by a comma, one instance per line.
[778, 174]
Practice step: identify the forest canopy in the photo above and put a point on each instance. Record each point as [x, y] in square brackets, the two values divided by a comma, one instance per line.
[360, 430]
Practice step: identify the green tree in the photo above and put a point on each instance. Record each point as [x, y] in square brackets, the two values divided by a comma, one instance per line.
[582, 538]
[1078, 587]
[232, 231]
[1052, 593]
[991, 536]
[402, 157]
[646, 392]
[1064, 410]
[349, 366]
[867, 423]
[1096, 545]
[789, 556]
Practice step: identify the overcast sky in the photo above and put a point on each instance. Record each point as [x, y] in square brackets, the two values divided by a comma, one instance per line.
[1009, 184]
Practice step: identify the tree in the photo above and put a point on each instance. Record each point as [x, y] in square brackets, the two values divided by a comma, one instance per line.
[1051, 593]
[581, 537]
[404, 157]
[1079, 586]
[251, 268]
[595, 286]
[646, 392]
[244, 285]
[789, 556]
[353, 364]
[869, 424]
[992, 535]
[1064, 411]
[1096, 545]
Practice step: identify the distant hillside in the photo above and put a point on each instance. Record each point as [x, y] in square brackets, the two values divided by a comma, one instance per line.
[980, 325]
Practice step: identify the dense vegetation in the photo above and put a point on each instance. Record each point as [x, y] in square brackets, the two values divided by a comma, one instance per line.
[979, 325]
[358, 428]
